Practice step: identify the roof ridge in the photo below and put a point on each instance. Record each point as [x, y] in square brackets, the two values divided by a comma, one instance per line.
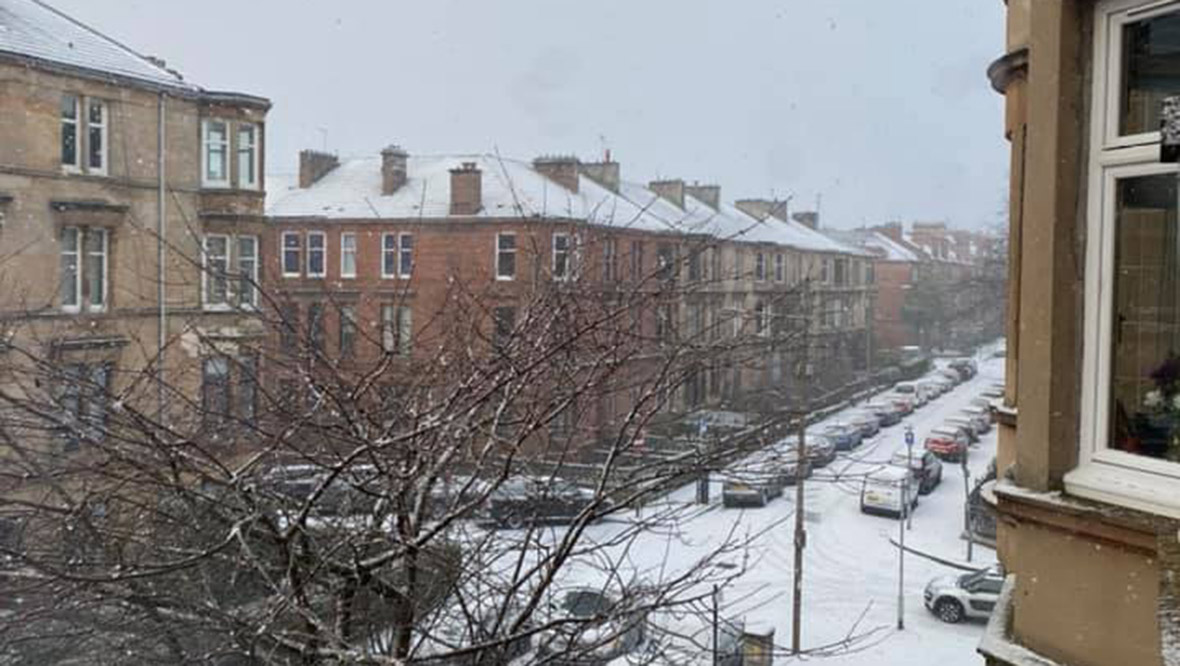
[108, 38]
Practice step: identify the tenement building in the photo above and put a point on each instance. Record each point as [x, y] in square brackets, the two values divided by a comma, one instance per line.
[131, 241]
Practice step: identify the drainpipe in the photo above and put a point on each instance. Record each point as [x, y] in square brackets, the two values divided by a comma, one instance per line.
[161, 292]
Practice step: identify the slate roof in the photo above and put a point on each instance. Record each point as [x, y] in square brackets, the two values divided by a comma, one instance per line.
[32, 29]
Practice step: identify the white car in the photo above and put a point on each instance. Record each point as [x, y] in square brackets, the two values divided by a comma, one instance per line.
[911, 389]
[953, 598]
[888, 491]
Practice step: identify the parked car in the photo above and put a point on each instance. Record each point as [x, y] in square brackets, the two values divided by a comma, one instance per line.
[905, 403]
[867, 421]
[953, 598]
[758, 479]
[992, 392]
[980, 415]
[821, 449]
[911, 389]
[591, 626]
[952, 374]
[932, 388]
[925, 465]
[966, 423]
[965, 366]
[885, 410]
[889, 491]
[522, 501]
[843, 434]
[948, 442]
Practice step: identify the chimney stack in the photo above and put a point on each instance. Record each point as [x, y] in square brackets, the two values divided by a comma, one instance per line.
[605, 173]
[808, 218]
[760, 209]
[314, 165]
[393, 169]
[710, 195]
[466, 189]
[561, 169]
[671, 190]
[892, 230]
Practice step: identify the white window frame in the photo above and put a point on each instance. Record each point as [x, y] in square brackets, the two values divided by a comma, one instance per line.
[252, 148]
[77, 253]
[388, 251]
[236, 257]
[206, 277]
[298, 257]
[1103, 473]
[345, 253]
[515, 252]
[401, 255]
[567, 275]
[106, 267]
[205, 145]
[103, 126]
[76, 166]
[323, 250]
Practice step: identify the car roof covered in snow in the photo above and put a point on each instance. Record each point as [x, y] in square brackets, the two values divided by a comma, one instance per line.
[32, 29]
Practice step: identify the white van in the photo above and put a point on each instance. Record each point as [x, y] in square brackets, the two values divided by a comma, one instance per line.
[912, 390]
[883, 491]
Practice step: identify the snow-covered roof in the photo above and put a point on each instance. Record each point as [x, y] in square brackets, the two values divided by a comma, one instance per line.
[514, 189]
[876, 243]
[32, 29]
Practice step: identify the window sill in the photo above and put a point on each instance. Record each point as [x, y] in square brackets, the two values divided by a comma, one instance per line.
[1136, 489]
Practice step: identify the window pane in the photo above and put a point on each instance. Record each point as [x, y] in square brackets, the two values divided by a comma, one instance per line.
[69, 129]
[388, 330]
[1151, 71]
[1145, 389]
[69, 267]
[291, 251]
[348, 254]
[96, 251]
[246, 152]
[215, 140]
[247, 270]
[216, 269]
[406, 260]
[315, 254]
[247, 393]
[347, 330]
[215, 388]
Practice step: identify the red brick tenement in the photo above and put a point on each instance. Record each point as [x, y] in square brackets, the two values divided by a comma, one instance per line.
[393, 256]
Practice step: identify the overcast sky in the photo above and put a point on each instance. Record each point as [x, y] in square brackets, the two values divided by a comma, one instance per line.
[883, 107]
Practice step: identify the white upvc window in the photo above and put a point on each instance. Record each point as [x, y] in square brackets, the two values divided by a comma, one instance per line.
[96, 136]
[248, 156]
[214, 153]
[389, 255]
[405, 255]
[292, 254]
[562, 256]
[397, 329]
[317, 254]
[347, 254]
[506, 256]
[246, 287]
[1130, 408]
[216, 271]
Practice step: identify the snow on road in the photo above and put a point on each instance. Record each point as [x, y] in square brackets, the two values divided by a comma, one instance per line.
[850, 567]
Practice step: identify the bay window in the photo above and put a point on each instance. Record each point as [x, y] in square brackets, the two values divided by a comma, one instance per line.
[1130, 410]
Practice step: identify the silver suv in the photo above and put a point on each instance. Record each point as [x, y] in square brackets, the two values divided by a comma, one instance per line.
[952, 598]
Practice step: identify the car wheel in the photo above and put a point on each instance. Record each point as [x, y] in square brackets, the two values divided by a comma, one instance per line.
[514, 521]
[949, 611]
[762, 497]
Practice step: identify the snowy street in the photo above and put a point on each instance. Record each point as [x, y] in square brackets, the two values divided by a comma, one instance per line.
[850, 566]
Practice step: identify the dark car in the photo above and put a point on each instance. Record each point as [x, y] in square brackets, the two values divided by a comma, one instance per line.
[886, 411]
[592, 626]
[926, 467]
[525, 501]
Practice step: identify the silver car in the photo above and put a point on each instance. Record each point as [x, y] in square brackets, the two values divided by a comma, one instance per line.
[953, 598]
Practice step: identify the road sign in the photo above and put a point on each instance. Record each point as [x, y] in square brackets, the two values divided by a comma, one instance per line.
[909, 437]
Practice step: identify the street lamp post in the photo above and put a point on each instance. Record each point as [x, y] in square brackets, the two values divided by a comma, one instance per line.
[909, 461]
[967, 509]
[905, 504]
